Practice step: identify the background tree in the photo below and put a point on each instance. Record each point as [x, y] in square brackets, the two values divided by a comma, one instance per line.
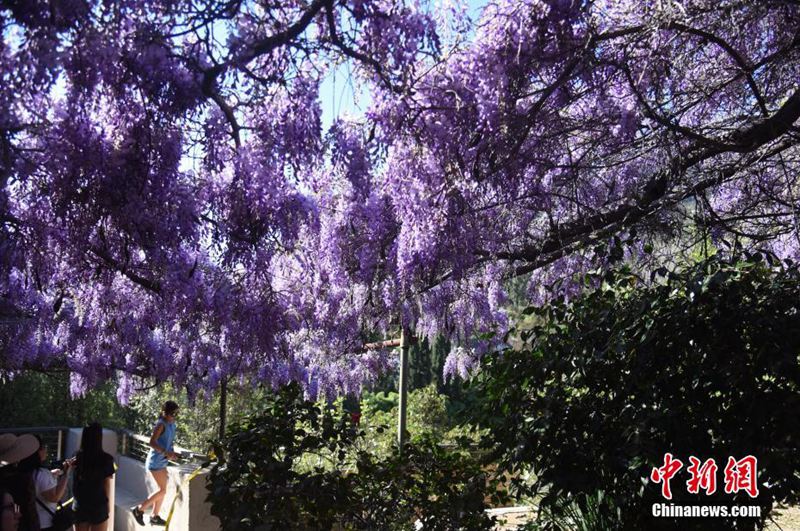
[35, 399]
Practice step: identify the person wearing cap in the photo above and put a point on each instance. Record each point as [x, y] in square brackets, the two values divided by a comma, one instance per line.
[14, 449]
[50, 485]
[19, 512]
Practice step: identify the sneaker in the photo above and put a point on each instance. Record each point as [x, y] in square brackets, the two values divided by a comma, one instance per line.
[138, 515]
[157, 520]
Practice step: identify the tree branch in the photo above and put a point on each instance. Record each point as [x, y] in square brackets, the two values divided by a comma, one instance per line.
[741, 62]
[149, 284]
[255, 50]
[355, 54]
[581, 231]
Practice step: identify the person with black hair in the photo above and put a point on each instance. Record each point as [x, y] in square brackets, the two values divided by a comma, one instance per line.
[161, 451]
[49, 485]
[93, 481]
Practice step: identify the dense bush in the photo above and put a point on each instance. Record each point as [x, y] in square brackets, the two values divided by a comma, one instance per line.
[703, 362]
[430, 416]
[298, 465]
[440, 488]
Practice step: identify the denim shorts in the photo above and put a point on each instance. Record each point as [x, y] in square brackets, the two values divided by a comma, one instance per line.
[156, 461]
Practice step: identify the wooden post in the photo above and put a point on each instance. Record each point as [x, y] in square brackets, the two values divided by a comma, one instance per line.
[223, 408]
[403, 391]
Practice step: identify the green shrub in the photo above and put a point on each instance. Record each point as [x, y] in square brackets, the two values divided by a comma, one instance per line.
[702, 363]
[297, 465]
[592, 512]
[257, 480]
[429, 417]
[440, 488]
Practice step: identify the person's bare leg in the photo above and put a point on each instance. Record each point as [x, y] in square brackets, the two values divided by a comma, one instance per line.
[100, 527]
[161, 480]
[155, 499]
[83, 526]
[145, 504]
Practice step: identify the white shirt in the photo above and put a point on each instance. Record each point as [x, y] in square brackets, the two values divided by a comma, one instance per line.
[44, 480]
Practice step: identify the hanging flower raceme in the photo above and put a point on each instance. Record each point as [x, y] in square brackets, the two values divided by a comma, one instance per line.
[175, 205]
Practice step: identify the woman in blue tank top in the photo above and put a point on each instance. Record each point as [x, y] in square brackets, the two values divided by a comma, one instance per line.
[161, 451]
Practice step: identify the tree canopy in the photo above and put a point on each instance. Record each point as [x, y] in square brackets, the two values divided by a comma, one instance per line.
[171, 206]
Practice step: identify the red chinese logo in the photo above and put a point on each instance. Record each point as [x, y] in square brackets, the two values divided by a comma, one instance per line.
[665, 473]
[703, 476]
[740, 475]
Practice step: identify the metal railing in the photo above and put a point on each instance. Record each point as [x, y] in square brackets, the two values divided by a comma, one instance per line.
[137, 446]
[129, 444]
[133, 445]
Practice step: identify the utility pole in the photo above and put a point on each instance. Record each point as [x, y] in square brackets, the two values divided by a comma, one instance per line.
[223, 408]
[404, 342]
[402, 410]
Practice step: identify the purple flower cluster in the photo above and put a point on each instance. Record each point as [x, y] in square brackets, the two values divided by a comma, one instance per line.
[171, 207]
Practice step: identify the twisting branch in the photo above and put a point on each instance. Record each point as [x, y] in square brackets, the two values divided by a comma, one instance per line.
[229, 114]
[355, 54]
[255, 50]
[592, 228]
[149, 284]
[741, 62]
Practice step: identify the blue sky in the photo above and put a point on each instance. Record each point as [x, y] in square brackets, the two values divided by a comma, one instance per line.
[338, 93]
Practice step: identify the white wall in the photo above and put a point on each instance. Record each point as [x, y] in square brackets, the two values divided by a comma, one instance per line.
[185, 497]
